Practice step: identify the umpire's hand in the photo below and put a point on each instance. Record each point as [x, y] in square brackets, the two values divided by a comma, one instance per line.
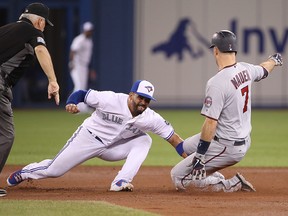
[53, 91]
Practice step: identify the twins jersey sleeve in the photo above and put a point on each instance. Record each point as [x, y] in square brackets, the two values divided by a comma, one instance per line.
[228, 99]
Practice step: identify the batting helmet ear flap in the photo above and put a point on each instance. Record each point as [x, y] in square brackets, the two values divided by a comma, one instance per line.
[225, 41]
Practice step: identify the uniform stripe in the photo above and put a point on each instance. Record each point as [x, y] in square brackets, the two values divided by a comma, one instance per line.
[170, 135]
[216, 155]
[62, 150]
[85, 99]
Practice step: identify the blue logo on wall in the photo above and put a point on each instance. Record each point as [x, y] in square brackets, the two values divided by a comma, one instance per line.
[178, 43]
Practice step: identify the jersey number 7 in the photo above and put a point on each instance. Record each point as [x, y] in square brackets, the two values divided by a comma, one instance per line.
[245, 92]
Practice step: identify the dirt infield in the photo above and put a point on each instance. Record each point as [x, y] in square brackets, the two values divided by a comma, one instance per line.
[155, 193]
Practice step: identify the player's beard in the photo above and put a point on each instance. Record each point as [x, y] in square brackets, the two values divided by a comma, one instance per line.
[139, 109]
[136, 108]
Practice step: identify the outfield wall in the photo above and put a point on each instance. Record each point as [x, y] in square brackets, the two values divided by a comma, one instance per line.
[172, 38]
[130, 43]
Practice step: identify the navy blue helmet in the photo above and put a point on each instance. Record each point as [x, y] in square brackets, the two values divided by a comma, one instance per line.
[225, 41]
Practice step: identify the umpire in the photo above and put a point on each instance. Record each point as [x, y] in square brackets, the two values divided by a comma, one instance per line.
[21, 43]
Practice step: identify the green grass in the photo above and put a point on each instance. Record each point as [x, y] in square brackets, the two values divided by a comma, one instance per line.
[63, 208]
[40, 134]
[269, 139]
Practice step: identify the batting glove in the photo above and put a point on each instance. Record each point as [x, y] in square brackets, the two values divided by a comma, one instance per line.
[277, 58]
[198, 167]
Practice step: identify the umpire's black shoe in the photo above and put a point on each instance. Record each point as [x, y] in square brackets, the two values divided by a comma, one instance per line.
[3, 192]
[245, 185]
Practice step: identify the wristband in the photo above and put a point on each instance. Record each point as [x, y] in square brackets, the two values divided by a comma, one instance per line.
[76, 97]
[203, 147]
[179, 148]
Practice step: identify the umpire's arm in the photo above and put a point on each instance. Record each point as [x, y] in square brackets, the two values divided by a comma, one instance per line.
[45, 61]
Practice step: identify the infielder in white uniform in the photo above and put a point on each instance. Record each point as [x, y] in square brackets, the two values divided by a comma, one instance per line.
[225, 135]
[116, 130]
[80, 57]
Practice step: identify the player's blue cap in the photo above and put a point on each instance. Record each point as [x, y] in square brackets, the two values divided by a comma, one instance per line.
[143, 88]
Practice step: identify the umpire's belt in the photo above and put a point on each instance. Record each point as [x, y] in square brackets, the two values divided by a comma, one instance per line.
[235, 143]
[95, 136]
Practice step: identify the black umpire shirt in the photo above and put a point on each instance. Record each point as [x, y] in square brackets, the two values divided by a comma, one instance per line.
[17, 43]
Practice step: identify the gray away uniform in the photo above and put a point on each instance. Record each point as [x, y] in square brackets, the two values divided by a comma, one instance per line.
[227, 100]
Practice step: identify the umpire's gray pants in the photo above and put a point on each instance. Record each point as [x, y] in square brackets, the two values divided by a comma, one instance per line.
[6, 123]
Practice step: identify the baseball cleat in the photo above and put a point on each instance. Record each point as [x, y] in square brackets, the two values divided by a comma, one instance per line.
[3, 192]
[245, 185]
[14, 179]
[122, 185]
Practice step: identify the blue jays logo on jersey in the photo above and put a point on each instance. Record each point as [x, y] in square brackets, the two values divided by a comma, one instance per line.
[133, 129]
[178, 42]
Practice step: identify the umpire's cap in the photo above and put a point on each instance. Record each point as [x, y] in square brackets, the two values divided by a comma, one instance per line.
[143, 88]
[40, 10]
[225, 41]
